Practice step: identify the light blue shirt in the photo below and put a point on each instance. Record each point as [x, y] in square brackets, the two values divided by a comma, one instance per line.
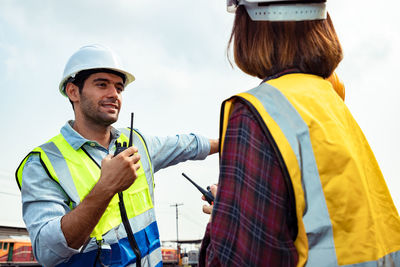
[44, 202]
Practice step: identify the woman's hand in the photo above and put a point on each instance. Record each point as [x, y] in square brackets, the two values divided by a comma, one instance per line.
[207, 209]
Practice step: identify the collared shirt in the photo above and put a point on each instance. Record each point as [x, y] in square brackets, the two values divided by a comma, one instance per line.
[253, 223]
[44, 202]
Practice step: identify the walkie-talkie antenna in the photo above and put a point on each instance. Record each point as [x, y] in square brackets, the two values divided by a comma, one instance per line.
[130, 134]
[207, 193]
[124, 215]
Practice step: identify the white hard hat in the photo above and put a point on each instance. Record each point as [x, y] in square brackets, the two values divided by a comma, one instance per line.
[93, 57]
[281, 10]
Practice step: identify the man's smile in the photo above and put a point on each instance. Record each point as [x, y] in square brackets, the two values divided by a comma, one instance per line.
[110, 106]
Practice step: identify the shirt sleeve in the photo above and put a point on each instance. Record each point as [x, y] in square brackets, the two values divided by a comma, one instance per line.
[171, 150]
[251, 224]
[43, 205]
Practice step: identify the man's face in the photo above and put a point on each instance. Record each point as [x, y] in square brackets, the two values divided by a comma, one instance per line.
[100, 100]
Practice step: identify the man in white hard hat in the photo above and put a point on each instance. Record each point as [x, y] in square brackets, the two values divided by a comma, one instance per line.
[83, 206]
[298, 184]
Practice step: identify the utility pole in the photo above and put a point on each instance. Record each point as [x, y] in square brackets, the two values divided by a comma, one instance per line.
[177, 232]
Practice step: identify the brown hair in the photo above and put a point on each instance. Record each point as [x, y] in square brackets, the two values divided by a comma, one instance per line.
[264, 48]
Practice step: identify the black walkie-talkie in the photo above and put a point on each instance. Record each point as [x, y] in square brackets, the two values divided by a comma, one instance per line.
[121, 147]
[206, 193]
[125, 220]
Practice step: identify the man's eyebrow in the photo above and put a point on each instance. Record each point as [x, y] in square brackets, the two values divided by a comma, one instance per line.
[107, 80]
[101, 80]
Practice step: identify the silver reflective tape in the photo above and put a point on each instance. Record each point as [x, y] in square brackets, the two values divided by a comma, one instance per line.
[154, 258]
[62, 171]
[137, 223]
[150, 260]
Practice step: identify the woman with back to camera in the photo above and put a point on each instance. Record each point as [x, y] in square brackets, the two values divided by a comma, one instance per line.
[299, 184]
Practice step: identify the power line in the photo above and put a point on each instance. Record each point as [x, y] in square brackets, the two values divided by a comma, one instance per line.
[8, 193]
[193, 221]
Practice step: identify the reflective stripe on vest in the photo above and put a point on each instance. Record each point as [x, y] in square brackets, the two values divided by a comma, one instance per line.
[77, 173]
[120, 253]
[344, 210]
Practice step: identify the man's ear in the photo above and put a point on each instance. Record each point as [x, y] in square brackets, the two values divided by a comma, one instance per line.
[72, 92]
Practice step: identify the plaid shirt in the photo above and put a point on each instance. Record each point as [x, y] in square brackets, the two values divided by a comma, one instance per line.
[254, 221]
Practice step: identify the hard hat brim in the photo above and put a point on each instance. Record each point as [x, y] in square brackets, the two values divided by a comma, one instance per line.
[129, 78]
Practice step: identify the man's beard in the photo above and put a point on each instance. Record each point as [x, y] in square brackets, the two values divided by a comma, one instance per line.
[90, 112]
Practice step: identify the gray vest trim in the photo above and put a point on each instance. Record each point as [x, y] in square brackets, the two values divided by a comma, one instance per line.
[153, 259]
[61, 168]
[150, 260]
[137, 223]
[316, 216]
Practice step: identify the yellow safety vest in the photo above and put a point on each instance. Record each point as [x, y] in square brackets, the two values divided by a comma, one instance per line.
[345, 213]
[77, 173]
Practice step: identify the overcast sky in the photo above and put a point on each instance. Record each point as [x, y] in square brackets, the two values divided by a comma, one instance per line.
[177, 52]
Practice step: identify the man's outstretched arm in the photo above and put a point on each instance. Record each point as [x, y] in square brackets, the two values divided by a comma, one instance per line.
[170, 150]
[214, 146]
